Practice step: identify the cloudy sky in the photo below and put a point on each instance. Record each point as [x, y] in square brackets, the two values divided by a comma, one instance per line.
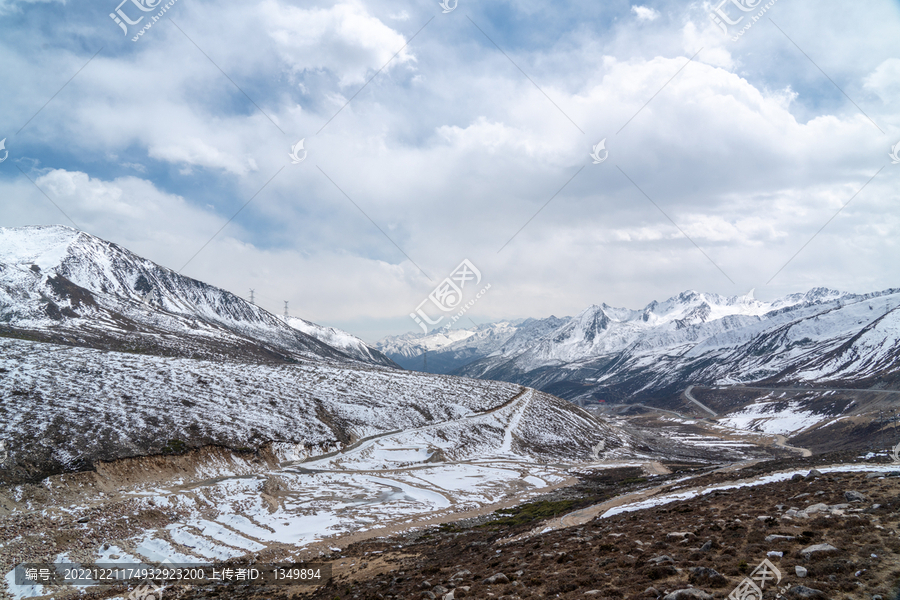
[430, 137]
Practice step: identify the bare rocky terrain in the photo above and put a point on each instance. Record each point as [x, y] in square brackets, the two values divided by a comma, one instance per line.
[828, 525]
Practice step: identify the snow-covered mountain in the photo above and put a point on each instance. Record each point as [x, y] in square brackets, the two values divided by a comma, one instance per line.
[68, 408]
[60, 284]
[693, 338]
[347, 343]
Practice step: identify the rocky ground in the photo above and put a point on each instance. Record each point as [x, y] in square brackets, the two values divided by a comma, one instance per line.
[829, 535]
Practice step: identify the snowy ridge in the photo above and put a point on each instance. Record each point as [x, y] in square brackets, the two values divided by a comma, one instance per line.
[700, 338]
[64, 285]
[343, 341]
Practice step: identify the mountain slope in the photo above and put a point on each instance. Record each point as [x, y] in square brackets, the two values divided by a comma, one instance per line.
[60, 284]
[696, 338]
[341, 340]
[67, 409]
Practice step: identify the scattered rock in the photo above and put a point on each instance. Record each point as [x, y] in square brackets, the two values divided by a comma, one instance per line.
[774, 554]
[813, 473]
[449, 595]
[796, 477]
[651, 592]
[707, 576]
[439, 590]
[816, 508]
[592, 592]
[778, 538]
[818, 548]
[429, 595]
[496, 578]
[800, 571]
[425, 584]
[661, 559]
[854, 496]
[688, 594]
[461, 574]
[707, 546]
[801, 591]
[679, 535]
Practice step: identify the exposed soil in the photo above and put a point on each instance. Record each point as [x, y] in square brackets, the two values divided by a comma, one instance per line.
[711, 542]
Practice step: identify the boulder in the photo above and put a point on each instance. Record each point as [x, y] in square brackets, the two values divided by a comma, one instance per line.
[496, 578]
[813, 473]
[778, 538]
[854, 496]
[688, 594]
[661, 559]
[800, 571]
[801, 591]
[707, 576]
[816, 548]
[651, 592]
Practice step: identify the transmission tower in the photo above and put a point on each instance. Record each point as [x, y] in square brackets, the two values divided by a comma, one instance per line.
[251, 296]
[425, 358]
[285, 310]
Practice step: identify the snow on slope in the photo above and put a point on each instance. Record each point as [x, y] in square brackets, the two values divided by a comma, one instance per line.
[820, 335]
[68, 286]
[343, 341]
[65, 408]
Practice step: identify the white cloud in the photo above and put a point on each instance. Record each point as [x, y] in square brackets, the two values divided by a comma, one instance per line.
[645, 13]
[885, 81]
[452, 163]
[344, 39]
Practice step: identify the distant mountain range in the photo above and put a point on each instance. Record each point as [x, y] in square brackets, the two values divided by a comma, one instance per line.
[62, 285]
[608, 353]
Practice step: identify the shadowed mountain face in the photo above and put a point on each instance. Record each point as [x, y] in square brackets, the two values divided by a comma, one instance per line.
[608, 353]
[59, 284]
